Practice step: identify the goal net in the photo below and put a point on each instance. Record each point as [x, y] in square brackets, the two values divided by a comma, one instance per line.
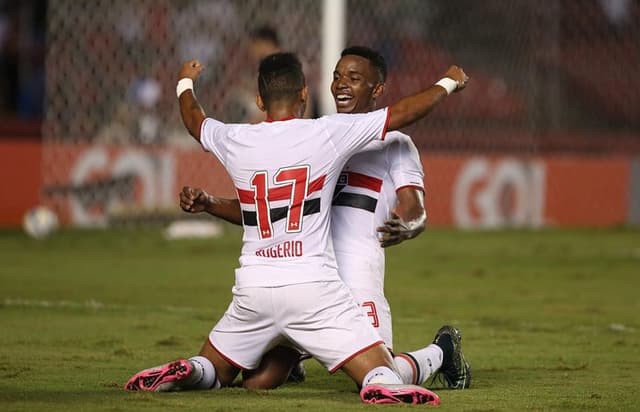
[544, 77]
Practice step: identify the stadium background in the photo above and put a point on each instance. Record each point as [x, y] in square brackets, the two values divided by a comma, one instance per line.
[547, 133]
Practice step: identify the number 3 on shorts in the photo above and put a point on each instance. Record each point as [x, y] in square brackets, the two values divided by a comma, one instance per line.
[372, 312]
[289, 182]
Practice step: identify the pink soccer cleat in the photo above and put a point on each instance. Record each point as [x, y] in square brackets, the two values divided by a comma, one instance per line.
[163, 378]
[412, 394]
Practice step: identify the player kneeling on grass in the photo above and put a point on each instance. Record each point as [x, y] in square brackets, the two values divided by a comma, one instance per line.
[289, 164]
[370, 188]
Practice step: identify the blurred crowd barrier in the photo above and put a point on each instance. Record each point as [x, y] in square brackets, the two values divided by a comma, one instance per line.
[547, 132]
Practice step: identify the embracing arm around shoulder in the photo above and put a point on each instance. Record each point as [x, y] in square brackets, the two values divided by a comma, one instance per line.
[412, 108]
[190, 110]
[407, 221]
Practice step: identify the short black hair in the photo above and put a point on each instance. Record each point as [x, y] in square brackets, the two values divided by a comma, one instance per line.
[280, 77]
[265, 33]
[373, 56]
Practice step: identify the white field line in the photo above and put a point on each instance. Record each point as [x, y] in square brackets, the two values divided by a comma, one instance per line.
[91, 304]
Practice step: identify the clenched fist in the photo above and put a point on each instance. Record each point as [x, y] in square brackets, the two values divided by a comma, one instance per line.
[458, 75]
[193, 200]
[190, 70]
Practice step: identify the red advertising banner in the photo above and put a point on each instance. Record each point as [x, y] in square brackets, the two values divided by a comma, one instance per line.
[510, 191]
[85, 184]
[587, 191]
[20, 179]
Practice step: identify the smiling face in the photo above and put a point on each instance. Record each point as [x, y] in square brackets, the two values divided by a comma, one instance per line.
[356, 85]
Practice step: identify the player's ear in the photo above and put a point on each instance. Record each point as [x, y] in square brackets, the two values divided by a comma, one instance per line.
[304, 96]
[260, 103]
[378, 90]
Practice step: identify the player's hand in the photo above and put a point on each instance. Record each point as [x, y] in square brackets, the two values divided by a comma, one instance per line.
[191, 70]
[456, 73]
[193, 200]
[396, 230]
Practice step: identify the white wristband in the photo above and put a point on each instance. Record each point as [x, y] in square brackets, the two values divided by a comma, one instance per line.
[183, 85]
[449, 84]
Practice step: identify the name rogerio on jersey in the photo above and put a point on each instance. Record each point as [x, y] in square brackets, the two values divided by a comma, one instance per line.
[290, 248]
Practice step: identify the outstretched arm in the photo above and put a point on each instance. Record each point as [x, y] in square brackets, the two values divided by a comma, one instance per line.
[196, 200]
[192, 113]
[409, 219]
[412, 108]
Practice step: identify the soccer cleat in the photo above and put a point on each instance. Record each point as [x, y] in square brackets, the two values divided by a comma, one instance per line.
[163, 378]
[455, 372]
[298, 374]
[412, 394]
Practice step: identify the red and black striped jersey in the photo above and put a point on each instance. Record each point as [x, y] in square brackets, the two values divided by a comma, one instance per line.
[364, 198]
[285, 173]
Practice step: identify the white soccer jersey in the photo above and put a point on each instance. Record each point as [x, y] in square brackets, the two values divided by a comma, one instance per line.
[285, 173]
[363, 200]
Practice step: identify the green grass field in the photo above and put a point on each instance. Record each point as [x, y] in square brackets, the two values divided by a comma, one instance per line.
[551, 319]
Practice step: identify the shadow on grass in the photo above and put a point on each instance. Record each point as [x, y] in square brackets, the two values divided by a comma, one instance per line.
[114, 392]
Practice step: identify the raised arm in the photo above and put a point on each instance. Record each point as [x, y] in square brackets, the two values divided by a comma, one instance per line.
[407, 221]
[192, 113]
[412, 108]
[196, 200]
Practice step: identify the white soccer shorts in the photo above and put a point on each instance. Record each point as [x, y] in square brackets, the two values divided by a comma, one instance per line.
[320, 318]
[376, 308]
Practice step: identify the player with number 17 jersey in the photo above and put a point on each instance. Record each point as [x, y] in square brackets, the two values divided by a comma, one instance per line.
[285, 173]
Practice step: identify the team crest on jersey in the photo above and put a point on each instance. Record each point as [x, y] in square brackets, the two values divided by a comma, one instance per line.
[356, 200]
[343, 181]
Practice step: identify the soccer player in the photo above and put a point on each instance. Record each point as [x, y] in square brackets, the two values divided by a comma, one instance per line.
[385, 179]
[287, 288]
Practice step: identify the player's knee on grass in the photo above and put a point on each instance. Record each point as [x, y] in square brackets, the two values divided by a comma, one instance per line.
[264, 379]
[274, 369]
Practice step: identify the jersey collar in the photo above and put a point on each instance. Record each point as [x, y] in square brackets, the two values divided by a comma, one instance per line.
[270, 120]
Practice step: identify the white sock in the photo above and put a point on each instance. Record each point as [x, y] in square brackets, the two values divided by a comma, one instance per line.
[203, 375]
[381, 374]
[416, 367]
